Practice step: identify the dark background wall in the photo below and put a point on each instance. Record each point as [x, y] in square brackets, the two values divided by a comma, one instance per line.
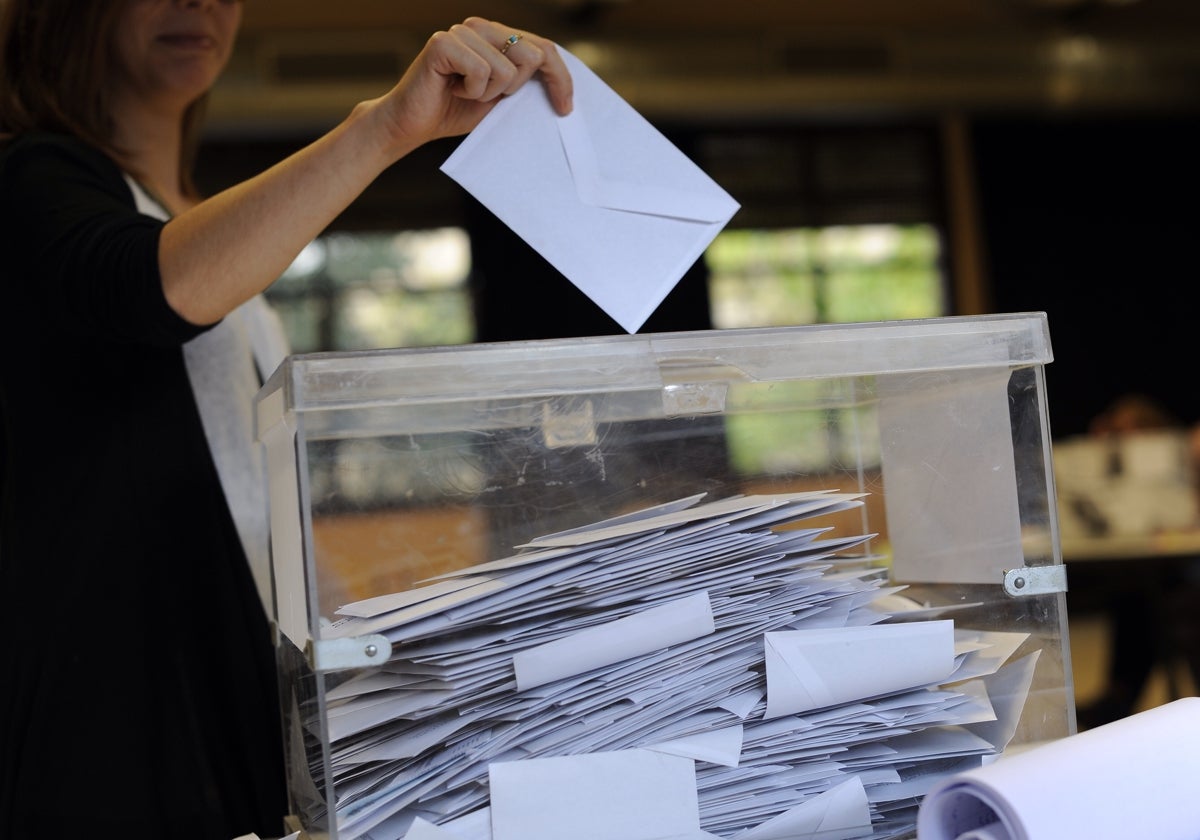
[1093, 220]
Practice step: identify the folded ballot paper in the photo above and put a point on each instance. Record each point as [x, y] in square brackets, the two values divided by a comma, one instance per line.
[600, 194]
[1134, 777]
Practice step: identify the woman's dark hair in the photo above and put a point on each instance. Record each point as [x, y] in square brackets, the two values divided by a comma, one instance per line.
[56, 62]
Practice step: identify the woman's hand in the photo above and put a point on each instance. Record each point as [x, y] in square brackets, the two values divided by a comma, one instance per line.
[462, 73]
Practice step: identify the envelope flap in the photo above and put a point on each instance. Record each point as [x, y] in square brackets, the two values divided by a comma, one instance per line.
[614, 194]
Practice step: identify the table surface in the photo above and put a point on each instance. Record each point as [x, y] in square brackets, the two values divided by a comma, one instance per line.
[1131, 546]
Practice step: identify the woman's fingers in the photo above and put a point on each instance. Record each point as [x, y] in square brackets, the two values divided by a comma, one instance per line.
[507, 49]
[460, 75]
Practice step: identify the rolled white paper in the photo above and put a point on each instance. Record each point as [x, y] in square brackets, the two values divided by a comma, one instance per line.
[994, 831]
[1134, 777]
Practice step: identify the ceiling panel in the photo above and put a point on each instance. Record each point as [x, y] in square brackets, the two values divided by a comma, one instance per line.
[301, 64]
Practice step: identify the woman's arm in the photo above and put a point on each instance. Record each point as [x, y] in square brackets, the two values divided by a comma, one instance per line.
[235, 244]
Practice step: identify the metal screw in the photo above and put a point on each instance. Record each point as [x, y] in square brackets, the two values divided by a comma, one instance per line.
[372, 650]
[1019, 583]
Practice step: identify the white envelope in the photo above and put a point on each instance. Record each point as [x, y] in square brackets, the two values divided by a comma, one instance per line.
[621, 795]
[840, 812]
[672, 623]
[813, 669]
[601, 194]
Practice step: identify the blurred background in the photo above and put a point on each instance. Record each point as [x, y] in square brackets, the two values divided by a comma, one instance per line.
[892, 159]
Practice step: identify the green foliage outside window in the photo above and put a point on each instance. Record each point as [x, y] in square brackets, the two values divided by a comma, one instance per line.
[774, 278]
[825, 275]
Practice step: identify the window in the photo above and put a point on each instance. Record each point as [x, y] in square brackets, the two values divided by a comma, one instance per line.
[361, 291]
[825, 275]
[764, 278]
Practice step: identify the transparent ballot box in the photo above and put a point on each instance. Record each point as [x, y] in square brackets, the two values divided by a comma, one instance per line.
[761, 583]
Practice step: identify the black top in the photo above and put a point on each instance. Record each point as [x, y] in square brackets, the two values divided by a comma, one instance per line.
[139, 684]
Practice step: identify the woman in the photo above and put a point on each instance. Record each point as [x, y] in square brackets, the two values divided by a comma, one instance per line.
[139, 694]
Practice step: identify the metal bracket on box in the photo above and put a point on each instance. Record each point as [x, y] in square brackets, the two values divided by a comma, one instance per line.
[343, 654]
[694, 398]
[1035, 580]
[561, 428]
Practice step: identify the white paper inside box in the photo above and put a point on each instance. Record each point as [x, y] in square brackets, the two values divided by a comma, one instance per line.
[746, 583]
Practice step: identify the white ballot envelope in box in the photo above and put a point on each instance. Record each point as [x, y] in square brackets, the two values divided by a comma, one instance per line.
[601, 194]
